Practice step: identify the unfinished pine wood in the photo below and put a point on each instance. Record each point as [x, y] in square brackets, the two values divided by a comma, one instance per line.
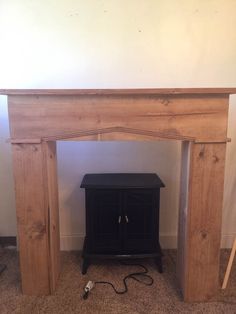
[134, 91]
[25, 141]
[195, 116]
[37, 216]
[118, 132]
[32, 217]
[53, 212]
[201, 230]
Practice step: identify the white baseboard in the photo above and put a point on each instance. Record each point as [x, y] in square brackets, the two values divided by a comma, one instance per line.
[227, 240]
[74, 242]
[168, 241]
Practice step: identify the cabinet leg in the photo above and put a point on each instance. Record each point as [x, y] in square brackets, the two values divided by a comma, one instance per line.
[85, 265]
[2, 268]
[159, 264]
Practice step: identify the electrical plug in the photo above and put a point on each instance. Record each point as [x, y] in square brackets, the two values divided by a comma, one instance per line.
[90, 285]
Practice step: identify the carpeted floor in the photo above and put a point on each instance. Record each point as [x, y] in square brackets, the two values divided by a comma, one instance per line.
[162, 297]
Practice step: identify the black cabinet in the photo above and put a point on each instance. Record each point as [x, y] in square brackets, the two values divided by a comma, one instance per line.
[122, 216]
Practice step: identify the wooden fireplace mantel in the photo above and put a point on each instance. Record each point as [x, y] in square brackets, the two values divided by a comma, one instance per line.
[197, 117]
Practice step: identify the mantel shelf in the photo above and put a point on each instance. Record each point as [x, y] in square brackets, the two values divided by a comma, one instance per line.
[120, 92]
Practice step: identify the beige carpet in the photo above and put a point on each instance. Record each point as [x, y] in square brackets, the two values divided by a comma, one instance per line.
[162, 297]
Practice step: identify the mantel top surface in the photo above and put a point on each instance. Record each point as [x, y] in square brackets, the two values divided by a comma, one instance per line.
[138, 91]
[121, 181]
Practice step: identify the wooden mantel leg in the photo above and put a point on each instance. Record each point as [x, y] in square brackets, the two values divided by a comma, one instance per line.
[37, 216]
[201, 199]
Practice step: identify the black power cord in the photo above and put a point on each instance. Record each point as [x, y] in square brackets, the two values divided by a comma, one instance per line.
[135, 276]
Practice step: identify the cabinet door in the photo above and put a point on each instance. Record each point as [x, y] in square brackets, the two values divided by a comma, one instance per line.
[141, 209]
[103, 222]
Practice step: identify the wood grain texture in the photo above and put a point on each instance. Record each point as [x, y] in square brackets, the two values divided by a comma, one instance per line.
[176, 116]
[53, 212]
[134, 91]
[32, 217]
[202, 229]
[121, 132]
[37, 216]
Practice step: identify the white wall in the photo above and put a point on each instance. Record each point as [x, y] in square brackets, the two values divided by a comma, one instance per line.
[116, 44]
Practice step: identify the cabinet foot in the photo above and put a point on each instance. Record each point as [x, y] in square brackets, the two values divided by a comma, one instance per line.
[85, 265]
[159, 265]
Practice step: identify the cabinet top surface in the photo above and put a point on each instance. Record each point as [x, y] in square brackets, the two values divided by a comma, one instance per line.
[119, 92]
[121, 181]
